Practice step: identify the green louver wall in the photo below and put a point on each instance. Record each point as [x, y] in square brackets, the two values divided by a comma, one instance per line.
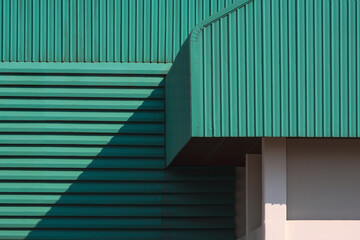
[82, 157]
[98, 30]
[272, 68]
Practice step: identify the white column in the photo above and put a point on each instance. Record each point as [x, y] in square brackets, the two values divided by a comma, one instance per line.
[274, 188]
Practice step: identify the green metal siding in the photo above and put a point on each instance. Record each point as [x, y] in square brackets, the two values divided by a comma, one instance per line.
[177, 104]
[82, 157]
[277, 68]
[185, 89]
[98, 30]
[294, 72]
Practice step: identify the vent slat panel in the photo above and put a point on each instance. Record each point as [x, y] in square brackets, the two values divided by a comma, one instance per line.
[82, 157]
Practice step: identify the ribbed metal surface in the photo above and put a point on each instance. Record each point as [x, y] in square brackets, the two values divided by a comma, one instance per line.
[279, 68]
[177, 104]
[98, 30]
[82, 157]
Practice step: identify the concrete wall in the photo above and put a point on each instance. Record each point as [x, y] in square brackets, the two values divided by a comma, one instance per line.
[310, 190]
[322, 230]
[323, 189]
[253, 197]
[248, 196]
[323, 179]
[274, 188]
[240, 203]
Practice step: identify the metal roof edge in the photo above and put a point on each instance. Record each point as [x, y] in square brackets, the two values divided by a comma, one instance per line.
[216, 16]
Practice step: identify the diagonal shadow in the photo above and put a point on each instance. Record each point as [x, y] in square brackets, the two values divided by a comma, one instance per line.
[124, 192]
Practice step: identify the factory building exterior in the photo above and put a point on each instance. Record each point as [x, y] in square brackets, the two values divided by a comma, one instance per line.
[180, 119]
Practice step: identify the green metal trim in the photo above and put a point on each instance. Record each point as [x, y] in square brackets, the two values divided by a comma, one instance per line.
[216, 16]
[86, 68]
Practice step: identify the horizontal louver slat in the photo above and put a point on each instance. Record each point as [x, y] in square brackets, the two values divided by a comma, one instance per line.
[120, 223]
[113, 175]
[68, 127]
[117, 187]
[82, 104]
[109, 140]
[82, 151]
[116, 234]
[81, 92]
[119, 211]
[88, 163]
[81, 116]
[80, 81]
[120, 199]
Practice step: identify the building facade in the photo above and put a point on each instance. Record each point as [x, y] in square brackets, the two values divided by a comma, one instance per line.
[179, 119]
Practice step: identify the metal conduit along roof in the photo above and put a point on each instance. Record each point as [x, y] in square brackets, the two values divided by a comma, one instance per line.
[266, 69]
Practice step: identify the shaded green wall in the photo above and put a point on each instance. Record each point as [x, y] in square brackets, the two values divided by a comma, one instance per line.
[178, 102]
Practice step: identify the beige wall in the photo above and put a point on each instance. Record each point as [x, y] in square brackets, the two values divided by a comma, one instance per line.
[323, 179]
[322, 230]
[274, 188]
[323, 189]
[310, 190]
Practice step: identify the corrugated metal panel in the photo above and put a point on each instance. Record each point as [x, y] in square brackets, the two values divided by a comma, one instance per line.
[212, 80]
[275, 69]
[82, 157]
[98, 30]
[177, 104]
[278, 68]
[294, 73]
[185, 89]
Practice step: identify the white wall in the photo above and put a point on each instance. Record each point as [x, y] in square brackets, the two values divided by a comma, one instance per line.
[323, 179]
[323, 230]
[323, 189]
[311, 190]
[274, 188]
